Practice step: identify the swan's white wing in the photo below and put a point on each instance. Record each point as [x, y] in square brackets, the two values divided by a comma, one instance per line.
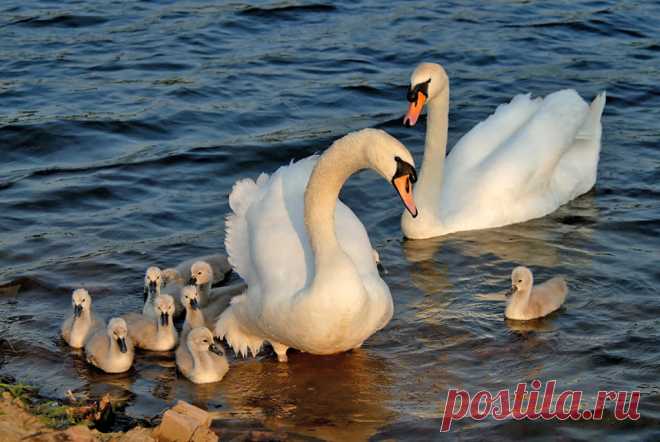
[267, 241]
[488, 135]
[511, 183]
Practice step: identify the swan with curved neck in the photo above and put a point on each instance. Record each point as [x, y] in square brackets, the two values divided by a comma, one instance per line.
[312, 280]
[523, 162]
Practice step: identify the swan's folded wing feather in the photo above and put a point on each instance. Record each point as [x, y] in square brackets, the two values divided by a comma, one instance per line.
[490, 133]
[66, 329]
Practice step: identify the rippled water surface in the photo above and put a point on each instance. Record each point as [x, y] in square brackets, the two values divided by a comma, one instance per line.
[124, 125]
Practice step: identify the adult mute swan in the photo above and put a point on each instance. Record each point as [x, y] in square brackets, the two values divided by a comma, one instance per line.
[522, 162]
[312, 279]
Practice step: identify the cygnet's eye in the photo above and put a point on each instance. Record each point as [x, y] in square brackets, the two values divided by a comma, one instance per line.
[520, 280]
[199, 273]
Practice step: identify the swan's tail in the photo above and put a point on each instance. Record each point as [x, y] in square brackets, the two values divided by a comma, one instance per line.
[229, 327]
[592, 128]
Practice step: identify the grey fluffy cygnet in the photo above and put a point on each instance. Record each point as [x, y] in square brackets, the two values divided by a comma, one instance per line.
[200, 359]
[159, 282]
[111, 350]
[156, 334]
[528, 301]
[83, 323]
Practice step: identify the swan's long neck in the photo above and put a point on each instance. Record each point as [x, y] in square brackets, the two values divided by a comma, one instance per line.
[335, 166]
[429, 185]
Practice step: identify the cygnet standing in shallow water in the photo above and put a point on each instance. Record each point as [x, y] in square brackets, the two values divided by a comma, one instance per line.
[200, 359]
[156, 283]
[111, 350]
[83, 323]
[526, 301]
[156, 334]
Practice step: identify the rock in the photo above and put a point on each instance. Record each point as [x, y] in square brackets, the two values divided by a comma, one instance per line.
[181, 422]
[200, 416]
[80, 433]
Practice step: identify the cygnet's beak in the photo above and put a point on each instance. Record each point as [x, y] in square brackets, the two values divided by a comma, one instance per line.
[403, 181]
[122, 345]
[77, 310]
[215, 348]
[194, 304]
[163, 319]
[511, 291]
[152, 288]
[192, 280]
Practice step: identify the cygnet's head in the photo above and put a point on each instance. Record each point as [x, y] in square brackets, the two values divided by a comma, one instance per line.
[521, 280]
[153, 279]
[200, 273]
[164, 305]
[118, 330]
[80, 300]
[200, 339]
[427, 81]
[189, 297]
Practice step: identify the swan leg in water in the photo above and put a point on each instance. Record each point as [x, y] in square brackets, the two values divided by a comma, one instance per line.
[280, 351]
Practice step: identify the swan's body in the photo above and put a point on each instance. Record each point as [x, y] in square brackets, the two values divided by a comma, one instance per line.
[199, 359]
[111, 350]
[156, 334]
[83, 323]
[181, 274]
[528, 301]
[523, 162]
[312, 279]
[160, 282]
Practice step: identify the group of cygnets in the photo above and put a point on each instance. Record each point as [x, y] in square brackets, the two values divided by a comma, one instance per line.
[310, 271]
[173, 292]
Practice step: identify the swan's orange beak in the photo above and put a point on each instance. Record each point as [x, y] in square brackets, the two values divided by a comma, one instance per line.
[414, 110]
[404, 188]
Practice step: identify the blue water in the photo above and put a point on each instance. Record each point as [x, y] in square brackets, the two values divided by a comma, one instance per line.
[123, 126]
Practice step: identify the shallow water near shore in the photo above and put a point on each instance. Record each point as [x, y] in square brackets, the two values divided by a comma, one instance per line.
[124, 125]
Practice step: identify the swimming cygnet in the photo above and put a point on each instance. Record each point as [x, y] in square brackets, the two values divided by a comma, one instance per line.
[528, 301]
[157, 334]
[219, 264]
[197, 316]
[111, 350]
[83, 323]
[156, 283]
[202, 276]
[200, 359]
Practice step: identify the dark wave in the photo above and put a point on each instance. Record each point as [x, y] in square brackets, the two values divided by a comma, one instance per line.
[62, 21]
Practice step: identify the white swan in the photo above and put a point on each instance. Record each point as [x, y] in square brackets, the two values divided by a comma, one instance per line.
[307, 260]
[528, 301]
[200, 359]
[83, 323]
[523, 162]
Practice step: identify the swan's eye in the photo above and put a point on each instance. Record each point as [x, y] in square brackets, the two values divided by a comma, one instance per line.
[520, 280]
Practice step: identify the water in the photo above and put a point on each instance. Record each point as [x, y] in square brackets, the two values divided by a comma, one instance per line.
[124, 125]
